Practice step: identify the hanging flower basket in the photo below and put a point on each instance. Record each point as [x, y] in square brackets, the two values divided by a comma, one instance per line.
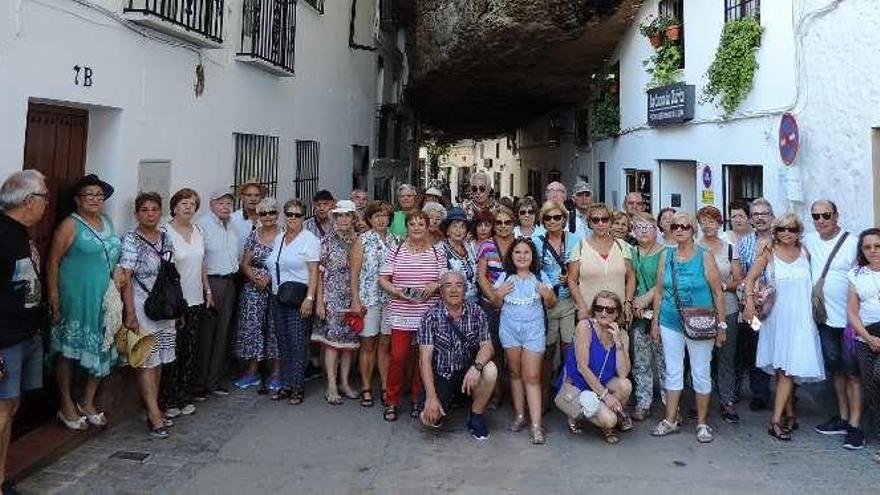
[673, 32]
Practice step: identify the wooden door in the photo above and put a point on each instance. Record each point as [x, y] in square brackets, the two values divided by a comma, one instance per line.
[55, 144]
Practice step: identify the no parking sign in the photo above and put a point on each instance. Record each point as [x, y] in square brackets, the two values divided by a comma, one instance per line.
[789, 138]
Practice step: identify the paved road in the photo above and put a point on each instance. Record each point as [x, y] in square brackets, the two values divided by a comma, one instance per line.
[245, 443]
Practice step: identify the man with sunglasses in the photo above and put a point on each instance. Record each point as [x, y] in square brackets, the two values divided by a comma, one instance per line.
[832, 255]
[481, 196]
[582, 194]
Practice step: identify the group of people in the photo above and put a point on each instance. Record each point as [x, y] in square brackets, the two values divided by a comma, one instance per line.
[565, 301]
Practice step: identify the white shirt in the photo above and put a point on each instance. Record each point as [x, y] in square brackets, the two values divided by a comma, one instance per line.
[188, 258]
[867, 285]
[221, 245]
[243, 228]
[836, 282]
[294, 258]
[581, 226]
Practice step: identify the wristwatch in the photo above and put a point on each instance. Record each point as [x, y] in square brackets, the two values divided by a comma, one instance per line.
[478, 366]
[721, 326]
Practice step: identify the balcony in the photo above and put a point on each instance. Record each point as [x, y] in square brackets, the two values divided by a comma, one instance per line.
[197, 21]
[268, 35]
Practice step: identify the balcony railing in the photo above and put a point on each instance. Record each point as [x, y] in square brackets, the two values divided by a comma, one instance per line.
[199, 21]
[268, 34]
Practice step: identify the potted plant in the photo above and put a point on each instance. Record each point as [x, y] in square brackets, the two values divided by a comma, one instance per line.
[673, 29]
[651, 29]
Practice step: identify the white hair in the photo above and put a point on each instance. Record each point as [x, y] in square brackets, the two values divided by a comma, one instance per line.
[480, 176]
[19, 186]
[267, 204]
[450, 273]
[406, 187]
[435, 206]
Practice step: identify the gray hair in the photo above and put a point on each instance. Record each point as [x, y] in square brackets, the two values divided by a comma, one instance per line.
[19, 186]
[762, 202]
[405, 187]
[480, 176]
[434, 206]
[267, 204]
[445, 275]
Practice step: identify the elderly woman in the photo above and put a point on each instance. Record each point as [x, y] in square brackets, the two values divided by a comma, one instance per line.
[598, 363]
[368, 253]
[483, 224]
[436, 214]
[189, 257]
[293, 266]
[407, 199]
[255, 340]
[788, 343]
[81, 263]
[460, 257]
[527, 214]
[863, 309]
[143, 249]
[334, 300]
[647, 354]
[601, 262]
[686, 276]
[410, 275]
[727, 259]
[664, 219]
[621, 224]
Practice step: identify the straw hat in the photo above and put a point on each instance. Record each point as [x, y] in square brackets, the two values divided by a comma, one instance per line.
[136, 346]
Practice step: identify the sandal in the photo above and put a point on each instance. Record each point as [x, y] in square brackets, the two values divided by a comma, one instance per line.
[384, 398]
[790, 423]
[415, 411]
[351, 394]
[610, 436]
[391, 413]
[367, 398]
[333, 400]
[624, 422]
[538, 435]
[574, 428]
[776, 431]
[282, 393]
[296, 398]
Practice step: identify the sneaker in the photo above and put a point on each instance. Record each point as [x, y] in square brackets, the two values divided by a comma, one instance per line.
[275, 385]
[664, 428]
[477, 427]
[705, 434]
[172, 412]
[188, 409]
[517, 425]
[834, 426]
[729, 414]
[247, 381]
[221, 391]
[855, 439]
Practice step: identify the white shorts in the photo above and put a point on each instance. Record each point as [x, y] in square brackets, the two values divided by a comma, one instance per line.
[700, 354]
[376, 321]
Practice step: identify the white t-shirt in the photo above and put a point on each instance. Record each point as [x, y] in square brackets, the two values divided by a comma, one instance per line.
[836, 282]
[188, 258]
[294, 259]
[867, 285]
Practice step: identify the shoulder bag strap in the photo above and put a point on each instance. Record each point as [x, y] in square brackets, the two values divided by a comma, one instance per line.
[95, 233]
[277, 261]
[833, 254]
[671, 263]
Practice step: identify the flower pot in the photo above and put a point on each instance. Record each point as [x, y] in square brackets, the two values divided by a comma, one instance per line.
[673, 33]
[656, 39]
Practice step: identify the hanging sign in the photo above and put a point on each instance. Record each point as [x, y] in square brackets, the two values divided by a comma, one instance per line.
[789, 138]
[671, 104]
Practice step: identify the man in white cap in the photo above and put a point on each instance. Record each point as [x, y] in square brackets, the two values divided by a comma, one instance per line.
[434, 195]
[221, 264]
[582, 194]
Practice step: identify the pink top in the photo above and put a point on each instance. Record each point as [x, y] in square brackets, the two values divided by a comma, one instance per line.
[415, 270]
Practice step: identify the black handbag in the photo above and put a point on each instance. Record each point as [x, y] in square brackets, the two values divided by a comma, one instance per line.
[291, 294]
[165, 299]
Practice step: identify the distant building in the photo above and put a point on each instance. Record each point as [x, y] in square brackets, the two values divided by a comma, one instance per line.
[497, 157]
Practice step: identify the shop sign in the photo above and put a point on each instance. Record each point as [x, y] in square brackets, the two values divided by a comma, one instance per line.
[671, 104]
[708, 197]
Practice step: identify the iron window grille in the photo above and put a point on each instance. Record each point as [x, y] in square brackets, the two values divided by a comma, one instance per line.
[204, 17]
[737, 9]
[306, 183]
[316, 4]
[268, 31]
[256, 158]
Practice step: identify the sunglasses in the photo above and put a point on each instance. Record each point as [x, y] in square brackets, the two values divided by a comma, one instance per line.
[608, 310]
[600, 219]
[527, 212]
[503, 222]
[680, 226]
[478, 188]
[643, 227]
[556, 218]
[268, 213]
[825, 215]
[790, 230]
[294, 214]
[583, 194]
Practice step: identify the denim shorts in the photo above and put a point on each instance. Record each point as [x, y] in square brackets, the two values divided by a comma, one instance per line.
[24, 368]
[528, 334]
[837, 358]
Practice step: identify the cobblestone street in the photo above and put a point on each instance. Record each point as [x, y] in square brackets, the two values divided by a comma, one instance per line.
[247, 444]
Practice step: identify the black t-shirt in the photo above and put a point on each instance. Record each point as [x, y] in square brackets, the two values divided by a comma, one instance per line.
[20, 289]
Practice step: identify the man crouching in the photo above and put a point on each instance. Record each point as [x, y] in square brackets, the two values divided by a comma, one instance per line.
[455, 351]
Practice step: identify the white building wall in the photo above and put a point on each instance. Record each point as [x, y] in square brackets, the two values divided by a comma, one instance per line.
[142, 105]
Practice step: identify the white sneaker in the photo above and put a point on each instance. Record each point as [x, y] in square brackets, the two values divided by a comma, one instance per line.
[705, 434]
[188, 409]
[172, 412]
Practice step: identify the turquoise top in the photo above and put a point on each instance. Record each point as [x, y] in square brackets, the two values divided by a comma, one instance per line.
[693, 287]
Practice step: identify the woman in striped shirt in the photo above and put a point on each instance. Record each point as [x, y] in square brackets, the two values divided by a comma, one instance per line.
[411, 276]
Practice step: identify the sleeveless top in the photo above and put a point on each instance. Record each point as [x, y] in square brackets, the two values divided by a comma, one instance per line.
[693, 287]
[603, 363]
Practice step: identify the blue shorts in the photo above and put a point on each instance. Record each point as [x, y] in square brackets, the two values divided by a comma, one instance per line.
[528, 334]
[24, 368]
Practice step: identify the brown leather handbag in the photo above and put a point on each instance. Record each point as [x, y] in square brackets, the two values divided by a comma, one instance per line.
[699, 323]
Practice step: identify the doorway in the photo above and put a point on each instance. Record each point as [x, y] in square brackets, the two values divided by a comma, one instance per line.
[678, 185]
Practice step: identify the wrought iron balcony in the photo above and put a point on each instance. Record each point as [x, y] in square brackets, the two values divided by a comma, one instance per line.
[268, 35]
[197, 21]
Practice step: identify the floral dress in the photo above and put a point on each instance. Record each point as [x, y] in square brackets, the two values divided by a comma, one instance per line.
[375, 252]
[256, 339]
[335, 278]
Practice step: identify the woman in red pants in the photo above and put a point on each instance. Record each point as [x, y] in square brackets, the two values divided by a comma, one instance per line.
[410, 275]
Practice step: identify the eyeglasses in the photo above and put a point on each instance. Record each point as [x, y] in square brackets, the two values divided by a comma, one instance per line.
[503, 222]
[790, 230]
[98, 196]
[761, 214]
[608, 310]
[268, 213]
[825, 215]
[556, 218]
[526, 212]
[600, 219]
[44, 195]
[294, 214]
[478, 188]
[680, 226]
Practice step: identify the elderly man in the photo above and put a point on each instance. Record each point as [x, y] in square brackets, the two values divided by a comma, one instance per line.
[23, 199]
[221, 265]
[555, 191]
[407, 196]
[244, 221]
[582, 194]
[434, 195]
[633, 203]
[322, 223]
[481, 196]
[454, 355]
[832, 255]
[360, 199]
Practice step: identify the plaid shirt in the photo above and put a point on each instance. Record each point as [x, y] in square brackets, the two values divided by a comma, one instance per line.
[451, 355]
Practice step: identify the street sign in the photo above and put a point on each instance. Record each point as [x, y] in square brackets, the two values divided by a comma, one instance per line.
[789, 138]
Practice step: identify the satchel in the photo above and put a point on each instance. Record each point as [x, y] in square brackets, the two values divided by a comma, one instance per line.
[165, 299]
[765, 294]
[291, 293]
[817, 298]
[699, 323]
[568, 400]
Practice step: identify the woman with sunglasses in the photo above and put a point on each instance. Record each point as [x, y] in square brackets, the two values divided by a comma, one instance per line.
[601, 262]
[598, 363]
[294, 258]
[527, 208]
[686, 273]
[863, 309]
[255, 340]
[788, 341]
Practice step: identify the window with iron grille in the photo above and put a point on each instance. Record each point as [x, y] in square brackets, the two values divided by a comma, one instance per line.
[306, 183]
[268, 31]
[256, 158]
[316, 4]
[737, 9]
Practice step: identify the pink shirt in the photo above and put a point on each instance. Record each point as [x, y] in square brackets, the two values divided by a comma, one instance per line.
[408, 269]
